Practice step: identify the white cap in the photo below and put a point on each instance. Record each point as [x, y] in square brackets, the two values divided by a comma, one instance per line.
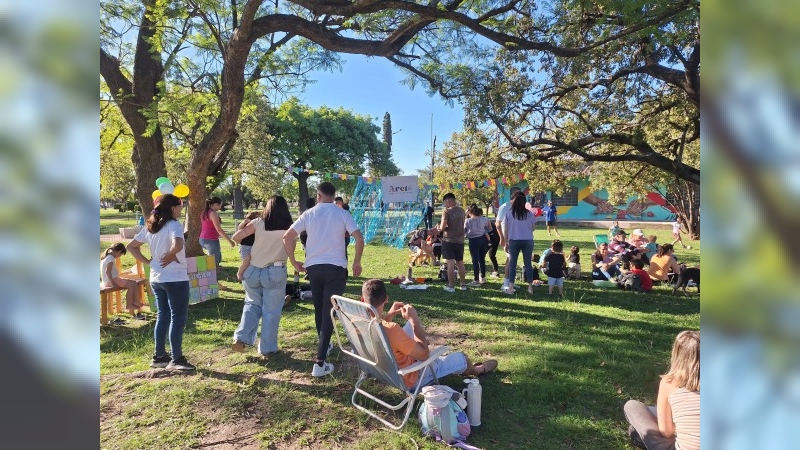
[638, 231]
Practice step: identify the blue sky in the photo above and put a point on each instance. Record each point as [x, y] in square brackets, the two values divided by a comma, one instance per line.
[372, 86]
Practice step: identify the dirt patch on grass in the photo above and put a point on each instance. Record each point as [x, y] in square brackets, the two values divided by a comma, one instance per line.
[240, 434]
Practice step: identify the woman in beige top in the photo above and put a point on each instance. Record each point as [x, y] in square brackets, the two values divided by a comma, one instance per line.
[662, 263]
[264, 279]
[675, 421]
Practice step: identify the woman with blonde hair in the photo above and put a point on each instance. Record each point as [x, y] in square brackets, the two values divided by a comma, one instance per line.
[675, 421]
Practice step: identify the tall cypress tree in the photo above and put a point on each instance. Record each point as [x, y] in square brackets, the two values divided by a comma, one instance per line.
[387, 132]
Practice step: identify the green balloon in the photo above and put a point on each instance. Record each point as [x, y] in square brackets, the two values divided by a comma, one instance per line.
[161, 180]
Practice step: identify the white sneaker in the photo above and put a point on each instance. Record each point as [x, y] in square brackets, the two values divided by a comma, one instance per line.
[494, 275]
[482, 280]
[321, 371]
[449, 289]
[463, 287]
[472, 283]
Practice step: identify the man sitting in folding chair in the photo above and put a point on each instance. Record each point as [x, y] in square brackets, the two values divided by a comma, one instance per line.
[387, 352]
[410, 344]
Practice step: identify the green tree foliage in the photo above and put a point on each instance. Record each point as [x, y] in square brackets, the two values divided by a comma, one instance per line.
[117, 178]
[328, 140]
[571, 78]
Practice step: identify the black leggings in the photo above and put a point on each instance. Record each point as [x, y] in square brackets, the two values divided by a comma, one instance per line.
[494, 243]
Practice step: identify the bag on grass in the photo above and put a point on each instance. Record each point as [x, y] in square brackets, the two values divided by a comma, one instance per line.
[441, 416]
[630, 282]
[442, 272]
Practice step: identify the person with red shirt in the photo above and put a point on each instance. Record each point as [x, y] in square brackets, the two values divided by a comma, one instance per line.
[637, 268]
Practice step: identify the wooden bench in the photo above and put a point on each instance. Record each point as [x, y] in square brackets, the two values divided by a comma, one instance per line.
[111, 297]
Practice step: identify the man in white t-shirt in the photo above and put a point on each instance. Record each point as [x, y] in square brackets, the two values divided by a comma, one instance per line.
[326, 261]
[501, 212]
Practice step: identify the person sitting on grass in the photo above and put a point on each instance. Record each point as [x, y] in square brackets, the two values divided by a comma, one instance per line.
[574, 263]
[604, 266]
[675, 421]
[410, 344]
[637, 268]
[663, 264]
[651, 248]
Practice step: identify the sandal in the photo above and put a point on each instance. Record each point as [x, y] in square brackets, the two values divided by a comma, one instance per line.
[485, 367]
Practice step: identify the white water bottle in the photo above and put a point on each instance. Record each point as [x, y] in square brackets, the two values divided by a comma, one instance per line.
[473, 392]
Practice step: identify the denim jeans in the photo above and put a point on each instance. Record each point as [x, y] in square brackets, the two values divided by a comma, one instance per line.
[213, 248]
[478, 247]
[326, 280]
[515, 246]
[264, 290]
[172, 299]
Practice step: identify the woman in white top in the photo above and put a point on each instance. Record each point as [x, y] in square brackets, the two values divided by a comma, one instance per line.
[169, 279]
[675, 421]
[264, 279]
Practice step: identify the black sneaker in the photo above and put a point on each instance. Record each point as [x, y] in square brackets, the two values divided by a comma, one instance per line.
[117, 321]
[635, 438]
[159, 362]
[181, 364]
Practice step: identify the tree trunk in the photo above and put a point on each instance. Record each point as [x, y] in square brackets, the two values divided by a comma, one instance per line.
[238, 203]
[687, 203]
[302, 181]
[197, 203]
[149, 164]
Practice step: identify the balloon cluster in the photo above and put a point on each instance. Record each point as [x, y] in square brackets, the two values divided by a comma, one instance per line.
[166, 187]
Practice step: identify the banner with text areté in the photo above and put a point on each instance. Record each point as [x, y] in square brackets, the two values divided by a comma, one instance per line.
[399, 189]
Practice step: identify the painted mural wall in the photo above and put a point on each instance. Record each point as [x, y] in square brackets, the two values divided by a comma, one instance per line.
[594, 205]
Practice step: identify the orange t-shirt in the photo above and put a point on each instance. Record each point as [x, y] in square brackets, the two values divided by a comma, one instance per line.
[401, 344]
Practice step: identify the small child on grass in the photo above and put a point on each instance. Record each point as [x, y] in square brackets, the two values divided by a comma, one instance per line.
[556, 267]
[652, 247]
[574, 264]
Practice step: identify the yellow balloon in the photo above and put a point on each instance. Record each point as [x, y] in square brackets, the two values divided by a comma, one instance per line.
[181, 190]
[156, 193]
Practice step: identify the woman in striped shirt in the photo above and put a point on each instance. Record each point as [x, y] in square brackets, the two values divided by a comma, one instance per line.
[675, 421]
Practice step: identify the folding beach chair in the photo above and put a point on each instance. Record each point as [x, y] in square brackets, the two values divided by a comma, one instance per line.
[369, 347]
[600, 239]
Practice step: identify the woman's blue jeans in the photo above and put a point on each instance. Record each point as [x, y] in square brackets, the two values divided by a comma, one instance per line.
[515, 246]
[265, 289]
[213, 248]
[172, 299]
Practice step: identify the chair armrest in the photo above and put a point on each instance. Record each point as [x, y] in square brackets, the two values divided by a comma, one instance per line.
[419, 365]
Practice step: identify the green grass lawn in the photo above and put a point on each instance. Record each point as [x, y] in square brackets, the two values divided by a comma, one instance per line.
[566, 366]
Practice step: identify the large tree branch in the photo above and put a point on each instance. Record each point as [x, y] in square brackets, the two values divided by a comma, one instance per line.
[331, 40]
[545, 148]
[433, 13]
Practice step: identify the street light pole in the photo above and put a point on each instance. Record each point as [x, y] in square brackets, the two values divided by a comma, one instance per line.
[433, 153]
